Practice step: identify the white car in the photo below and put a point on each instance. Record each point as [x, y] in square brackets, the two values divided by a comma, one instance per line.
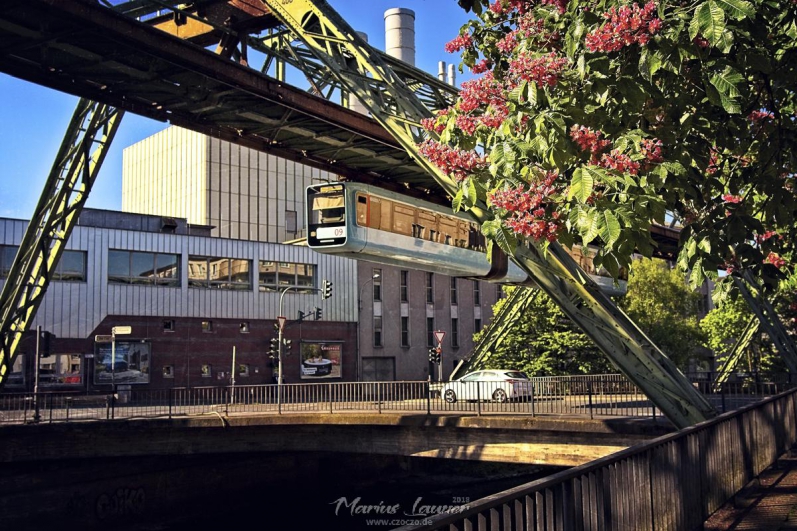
[496, 384]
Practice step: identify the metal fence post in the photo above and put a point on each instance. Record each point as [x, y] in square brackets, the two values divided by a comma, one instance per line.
[171, 398]
[478, 399]
[532, 398]
[329, 396]
[428, 398]
[51, 407]
[589, 393]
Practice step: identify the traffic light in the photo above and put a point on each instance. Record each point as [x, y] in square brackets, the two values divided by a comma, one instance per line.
[46, 343]
[318, 314]
[438, 355]
[326, 289]
[301, 316]
[287, 344]
[274, 351]
[432, 355]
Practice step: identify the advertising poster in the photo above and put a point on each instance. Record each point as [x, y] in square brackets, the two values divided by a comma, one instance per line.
[131, 365]
[321, 360]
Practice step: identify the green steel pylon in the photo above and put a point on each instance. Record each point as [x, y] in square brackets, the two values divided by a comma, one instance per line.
[77, 163]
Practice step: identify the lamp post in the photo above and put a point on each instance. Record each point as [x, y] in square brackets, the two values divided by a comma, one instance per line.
[359, 320]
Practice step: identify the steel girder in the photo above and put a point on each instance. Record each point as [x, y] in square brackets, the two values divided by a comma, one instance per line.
[738, 350]
[395, 106]
[512, 310]
[77, 163]
[768, 319]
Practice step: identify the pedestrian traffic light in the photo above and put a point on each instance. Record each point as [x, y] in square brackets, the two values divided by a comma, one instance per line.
[326, 289]
[318, 314]
[287, 344]
[438, 355]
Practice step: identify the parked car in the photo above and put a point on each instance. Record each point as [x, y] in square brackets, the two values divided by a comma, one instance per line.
[496, 384]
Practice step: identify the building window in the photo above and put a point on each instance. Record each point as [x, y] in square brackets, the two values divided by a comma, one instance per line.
[219, 273]
[61, 369]
[71, 266]
[404, 287]
[139, 267]
[207, 371]
[168, 371]
[207, 326]
[244, 327]
[477, 293]
[290, 221]
[7, 254]
[454, 297]
[287, 275]
[454, 332]
[429, 288]
[430, 332]
[377, 331]
[377, 276]
[477, 325]
[405, 331]
[169, 325]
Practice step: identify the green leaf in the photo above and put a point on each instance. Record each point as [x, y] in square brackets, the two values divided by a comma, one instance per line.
[456, 202]
[610, 228]
[727, 84]
[737, 9]
[581, 185]
[708, 21]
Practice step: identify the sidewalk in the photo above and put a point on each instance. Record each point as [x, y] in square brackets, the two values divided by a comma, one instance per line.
[770, 505]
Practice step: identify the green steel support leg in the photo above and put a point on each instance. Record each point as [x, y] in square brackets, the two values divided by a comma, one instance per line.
[73, 173]
[738, 350]
[769, 320]
[398, 109]
[512, 310]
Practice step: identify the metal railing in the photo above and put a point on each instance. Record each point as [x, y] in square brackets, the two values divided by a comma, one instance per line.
[594, 396]
[674, 482]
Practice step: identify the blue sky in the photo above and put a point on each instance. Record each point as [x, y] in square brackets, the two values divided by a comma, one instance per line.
[34, 118]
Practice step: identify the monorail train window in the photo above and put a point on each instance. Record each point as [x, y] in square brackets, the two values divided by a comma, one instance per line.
[375, 213]
[403, 220]
[362, 210]
[328, 208]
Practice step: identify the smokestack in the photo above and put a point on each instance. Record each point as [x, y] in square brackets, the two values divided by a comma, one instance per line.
[452, 76]
[441, 70]
[354, 102]
[400, 34]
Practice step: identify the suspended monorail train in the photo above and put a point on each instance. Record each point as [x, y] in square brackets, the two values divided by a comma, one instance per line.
[378, 225]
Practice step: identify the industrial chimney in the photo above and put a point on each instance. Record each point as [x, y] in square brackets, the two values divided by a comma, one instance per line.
[400, 34]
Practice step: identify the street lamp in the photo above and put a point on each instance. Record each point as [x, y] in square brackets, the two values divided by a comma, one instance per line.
[359, 320]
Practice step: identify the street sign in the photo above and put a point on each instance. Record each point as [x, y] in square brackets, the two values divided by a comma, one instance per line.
[439, 335]
[122, 330]
[281, 321]
[102, 338]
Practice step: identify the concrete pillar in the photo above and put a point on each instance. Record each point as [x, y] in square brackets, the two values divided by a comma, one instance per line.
[400, 34]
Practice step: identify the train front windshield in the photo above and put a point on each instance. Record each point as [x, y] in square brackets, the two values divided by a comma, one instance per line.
[326, 215]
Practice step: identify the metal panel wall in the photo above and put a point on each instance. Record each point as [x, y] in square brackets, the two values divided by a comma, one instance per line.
[74, 309]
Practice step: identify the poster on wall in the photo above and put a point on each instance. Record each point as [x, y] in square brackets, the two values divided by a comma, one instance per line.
[130, 367]
[321, 360]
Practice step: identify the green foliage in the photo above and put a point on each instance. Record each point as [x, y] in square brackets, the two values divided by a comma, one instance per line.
[715, 84]
[546, 343]
[661, 302]
[723, 326]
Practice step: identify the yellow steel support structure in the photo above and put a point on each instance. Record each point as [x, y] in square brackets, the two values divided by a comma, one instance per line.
[736, 353]
[76, 166]
[513, 309]
[362, 72]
